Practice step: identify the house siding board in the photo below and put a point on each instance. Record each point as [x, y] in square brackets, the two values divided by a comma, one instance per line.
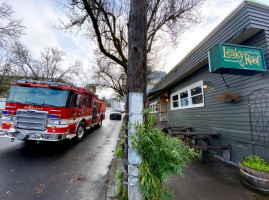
[231, 119]
[247, 17]
[235, 26]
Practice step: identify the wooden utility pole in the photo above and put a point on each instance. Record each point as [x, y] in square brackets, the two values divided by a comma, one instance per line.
[136, 83]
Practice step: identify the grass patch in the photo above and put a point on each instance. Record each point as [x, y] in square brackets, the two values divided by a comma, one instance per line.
[119, 152]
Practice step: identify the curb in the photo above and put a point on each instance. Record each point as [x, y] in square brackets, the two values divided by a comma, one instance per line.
[116, 164]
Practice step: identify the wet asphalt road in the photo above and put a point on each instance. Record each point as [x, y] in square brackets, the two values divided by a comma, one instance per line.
[58, 171]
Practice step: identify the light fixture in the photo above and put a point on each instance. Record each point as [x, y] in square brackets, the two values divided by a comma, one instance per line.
[205, 85]
[166, 100]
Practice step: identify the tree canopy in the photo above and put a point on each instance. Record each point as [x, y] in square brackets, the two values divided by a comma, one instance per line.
[10, 29]
[106, 22]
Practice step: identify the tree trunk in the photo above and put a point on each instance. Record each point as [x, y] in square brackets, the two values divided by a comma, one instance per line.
[136, 79]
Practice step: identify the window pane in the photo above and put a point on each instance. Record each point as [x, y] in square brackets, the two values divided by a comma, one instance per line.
[196, 90]
[175, 98]
[90, 101]
[38, 96]
[184, 102]
[197, 99]
[175, 104]
[183, 95]
[76, 102]
[85, 101]
[69, 100]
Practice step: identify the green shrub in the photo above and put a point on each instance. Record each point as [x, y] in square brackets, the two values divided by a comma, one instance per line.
[121, 193]
[255, 162]
[119, 152]
[161, 156]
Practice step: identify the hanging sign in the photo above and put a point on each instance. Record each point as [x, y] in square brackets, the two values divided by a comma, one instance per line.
[236, 59]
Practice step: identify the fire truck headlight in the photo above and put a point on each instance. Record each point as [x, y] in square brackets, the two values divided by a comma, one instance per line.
[54, 121]
[8, 118]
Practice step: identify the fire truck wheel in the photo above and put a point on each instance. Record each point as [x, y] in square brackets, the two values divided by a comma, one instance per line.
[30, 142]
[81, 130]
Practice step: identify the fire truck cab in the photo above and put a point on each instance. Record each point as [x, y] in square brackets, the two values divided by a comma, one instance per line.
[50, 111]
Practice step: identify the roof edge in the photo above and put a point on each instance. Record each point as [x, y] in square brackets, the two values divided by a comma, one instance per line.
[234, 12]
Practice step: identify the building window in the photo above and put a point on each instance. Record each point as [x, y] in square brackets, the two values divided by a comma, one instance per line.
[197, 95]
[189, 97]
[184, 98]
[175, 100]
[154, 106]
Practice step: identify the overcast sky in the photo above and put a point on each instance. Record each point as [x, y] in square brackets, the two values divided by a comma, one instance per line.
[39, 16]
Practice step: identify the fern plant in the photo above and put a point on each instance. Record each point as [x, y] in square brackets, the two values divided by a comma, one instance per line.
[161, 156]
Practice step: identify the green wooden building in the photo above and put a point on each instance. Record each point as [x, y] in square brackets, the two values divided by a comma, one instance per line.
[207, 92]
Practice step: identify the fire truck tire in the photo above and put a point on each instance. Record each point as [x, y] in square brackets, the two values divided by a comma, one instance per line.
[30, 142]
[81, 130]
[100, 121]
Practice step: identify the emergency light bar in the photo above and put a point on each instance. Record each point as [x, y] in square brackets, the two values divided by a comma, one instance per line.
[55, 116]
[5, 112]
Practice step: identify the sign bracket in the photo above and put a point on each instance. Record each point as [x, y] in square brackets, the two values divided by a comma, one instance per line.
[224, 80]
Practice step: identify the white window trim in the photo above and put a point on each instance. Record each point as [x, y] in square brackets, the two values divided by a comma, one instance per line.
[152, 104]
[190, 105]
[171, 99]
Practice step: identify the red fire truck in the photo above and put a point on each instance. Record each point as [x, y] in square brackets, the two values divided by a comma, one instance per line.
[50, 111]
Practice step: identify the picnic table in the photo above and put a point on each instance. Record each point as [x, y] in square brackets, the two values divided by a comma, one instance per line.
[191, 138]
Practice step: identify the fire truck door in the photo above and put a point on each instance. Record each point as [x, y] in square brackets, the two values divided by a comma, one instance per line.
[95, 111]
[76, 106]
[85, 109]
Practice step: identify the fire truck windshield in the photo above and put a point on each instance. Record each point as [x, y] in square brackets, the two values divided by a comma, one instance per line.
[39, 96]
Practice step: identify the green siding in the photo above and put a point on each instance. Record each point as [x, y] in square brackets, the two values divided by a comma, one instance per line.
[249, 15]
[231, 119]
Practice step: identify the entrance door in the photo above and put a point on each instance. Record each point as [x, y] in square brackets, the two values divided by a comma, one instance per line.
[164, 108]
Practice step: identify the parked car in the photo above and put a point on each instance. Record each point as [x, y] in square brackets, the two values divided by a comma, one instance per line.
[115, 114]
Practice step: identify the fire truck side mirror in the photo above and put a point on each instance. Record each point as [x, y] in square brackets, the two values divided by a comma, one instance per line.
[78, 100]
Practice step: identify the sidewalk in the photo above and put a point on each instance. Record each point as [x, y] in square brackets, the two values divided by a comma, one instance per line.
[211, 179]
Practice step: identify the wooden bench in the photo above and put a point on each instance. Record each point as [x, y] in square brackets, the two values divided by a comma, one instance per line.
[193, 134]
[192, 137]
[174, 130]
[184, 132]
[226, 154]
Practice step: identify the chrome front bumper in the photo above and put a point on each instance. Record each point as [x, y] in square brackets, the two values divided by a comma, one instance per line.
[33, 136]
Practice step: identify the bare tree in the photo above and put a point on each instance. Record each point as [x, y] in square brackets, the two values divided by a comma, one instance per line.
[48, 66]
[106, 22]
[8, 73]
[10, 29]
[108, 74]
